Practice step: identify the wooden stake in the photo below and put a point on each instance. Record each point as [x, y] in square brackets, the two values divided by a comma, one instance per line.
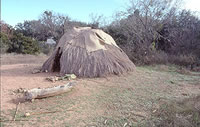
[17, 107]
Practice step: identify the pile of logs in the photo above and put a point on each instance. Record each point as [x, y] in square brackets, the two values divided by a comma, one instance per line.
[65, 77]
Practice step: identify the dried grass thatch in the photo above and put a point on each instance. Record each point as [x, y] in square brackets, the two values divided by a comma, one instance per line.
[88, 52]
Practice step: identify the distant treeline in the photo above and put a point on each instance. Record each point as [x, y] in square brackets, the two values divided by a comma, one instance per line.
[149, 31]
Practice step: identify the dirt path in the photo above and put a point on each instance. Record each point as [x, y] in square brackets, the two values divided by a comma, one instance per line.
[18, 76]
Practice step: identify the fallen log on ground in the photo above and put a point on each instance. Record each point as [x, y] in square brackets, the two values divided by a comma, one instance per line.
[38, 93]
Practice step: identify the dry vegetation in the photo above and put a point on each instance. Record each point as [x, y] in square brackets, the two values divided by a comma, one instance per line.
[151, 96]
[12, 58]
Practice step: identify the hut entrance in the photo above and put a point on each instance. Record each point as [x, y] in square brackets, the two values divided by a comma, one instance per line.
[56, 64]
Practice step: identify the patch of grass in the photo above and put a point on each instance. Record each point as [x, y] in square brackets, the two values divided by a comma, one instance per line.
[2, 119]
[109, 122]
[185, 113]
[131, 100]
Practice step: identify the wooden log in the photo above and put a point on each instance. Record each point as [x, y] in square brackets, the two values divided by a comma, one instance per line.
[48, 92]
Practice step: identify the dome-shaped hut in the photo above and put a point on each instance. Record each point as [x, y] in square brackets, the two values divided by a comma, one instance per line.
[88, 52]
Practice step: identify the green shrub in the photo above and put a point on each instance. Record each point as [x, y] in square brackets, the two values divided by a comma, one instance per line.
[4, 43]
[21, 44]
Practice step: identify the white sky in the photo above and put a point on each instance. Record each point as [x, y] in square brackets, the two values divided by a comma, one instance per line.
[193, 5]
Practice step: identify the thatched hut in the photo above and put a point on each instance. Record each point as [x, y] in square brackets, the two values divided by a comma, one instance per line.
[88, 52]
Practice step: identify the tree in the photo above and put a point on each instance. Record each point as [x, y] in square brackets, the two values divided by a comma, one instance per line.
[96, 20]
[33, 28]
[4, 43]
[21, 44]
[138, 28]
[54, 24]
[6, 29]
[49, 25]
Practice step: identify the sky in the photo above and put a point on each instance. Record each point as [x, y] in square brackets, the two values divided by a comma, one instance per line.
[16, 11]
[193, 5]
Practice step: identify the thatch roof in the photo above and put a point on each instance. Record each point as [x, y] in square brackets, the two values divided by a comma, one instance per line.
[88, 52]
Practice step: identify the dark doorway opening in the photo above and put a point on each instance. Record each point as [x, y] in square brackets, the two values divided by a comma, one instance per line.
[56, 64]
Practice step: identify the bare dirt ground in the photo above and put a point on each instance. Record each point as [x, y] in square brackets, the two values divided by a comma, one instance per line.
[127, 100]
